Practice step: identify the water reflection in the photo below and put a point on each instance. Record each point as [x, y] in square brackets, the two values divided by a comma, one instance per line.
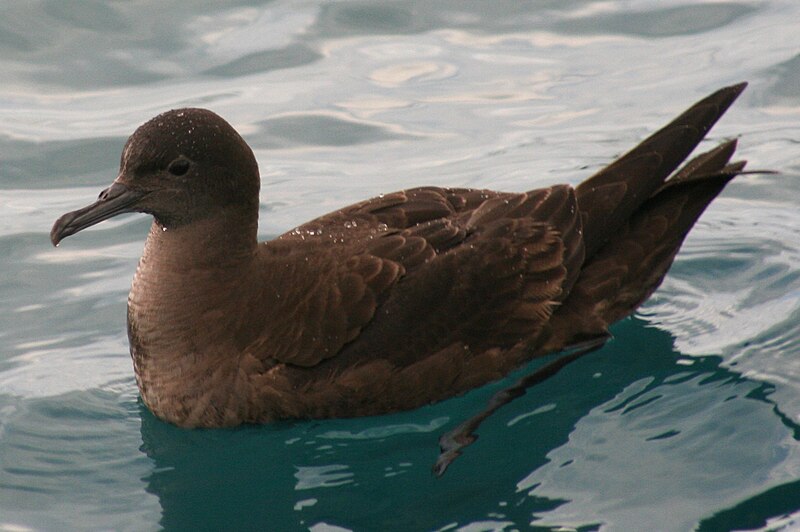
[547, 456]
[503, 94]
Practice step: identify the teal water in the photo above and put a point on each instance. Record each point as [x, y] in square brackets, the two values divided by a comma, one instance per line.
[688, 419]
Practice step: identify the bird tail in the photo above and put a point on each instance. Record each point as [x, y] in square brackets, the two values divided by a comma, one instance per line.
[626, 270]
[609, 198]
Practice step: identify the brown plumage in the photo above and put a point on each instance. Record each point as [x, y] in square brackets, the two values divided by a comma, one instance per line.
[391, 303]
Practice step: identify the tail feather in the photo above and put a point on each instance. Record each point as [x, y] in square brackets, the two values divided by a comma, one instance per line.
[710, 162]
[609, 198]
[629, 267]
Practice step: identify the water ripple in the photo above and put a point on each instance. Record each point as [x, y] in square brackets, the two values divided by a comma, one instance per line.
[688, 419]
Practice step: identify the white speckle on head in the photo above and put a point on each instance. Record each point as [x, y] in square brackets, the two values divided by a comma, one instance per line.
[125, 153]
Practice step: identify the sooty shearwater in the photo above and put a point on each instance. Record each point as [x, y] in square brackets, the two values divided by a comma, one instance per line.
[392, 303]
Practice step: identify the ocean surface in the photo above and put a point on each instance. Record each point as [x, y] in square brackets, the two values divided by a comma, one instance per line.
[689, 419]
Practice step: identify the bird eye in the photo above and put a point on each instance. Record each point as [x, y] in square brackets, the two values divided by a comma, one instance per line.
[178, 167]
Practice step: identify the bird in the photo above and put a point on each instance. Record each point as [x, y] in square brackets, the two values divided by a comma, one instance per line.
[392, 303]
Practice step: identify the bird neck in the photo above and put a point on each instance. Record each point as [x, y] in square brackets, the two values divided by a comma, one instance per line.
[224, 240]
[191, 272]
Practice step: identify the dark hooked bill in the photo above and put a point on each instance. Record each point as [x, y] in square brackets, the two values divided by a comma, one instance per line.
[116, 199]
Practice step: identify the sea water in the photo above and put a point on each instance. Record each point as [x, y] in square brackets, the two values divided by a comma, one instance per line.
[688, 419]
